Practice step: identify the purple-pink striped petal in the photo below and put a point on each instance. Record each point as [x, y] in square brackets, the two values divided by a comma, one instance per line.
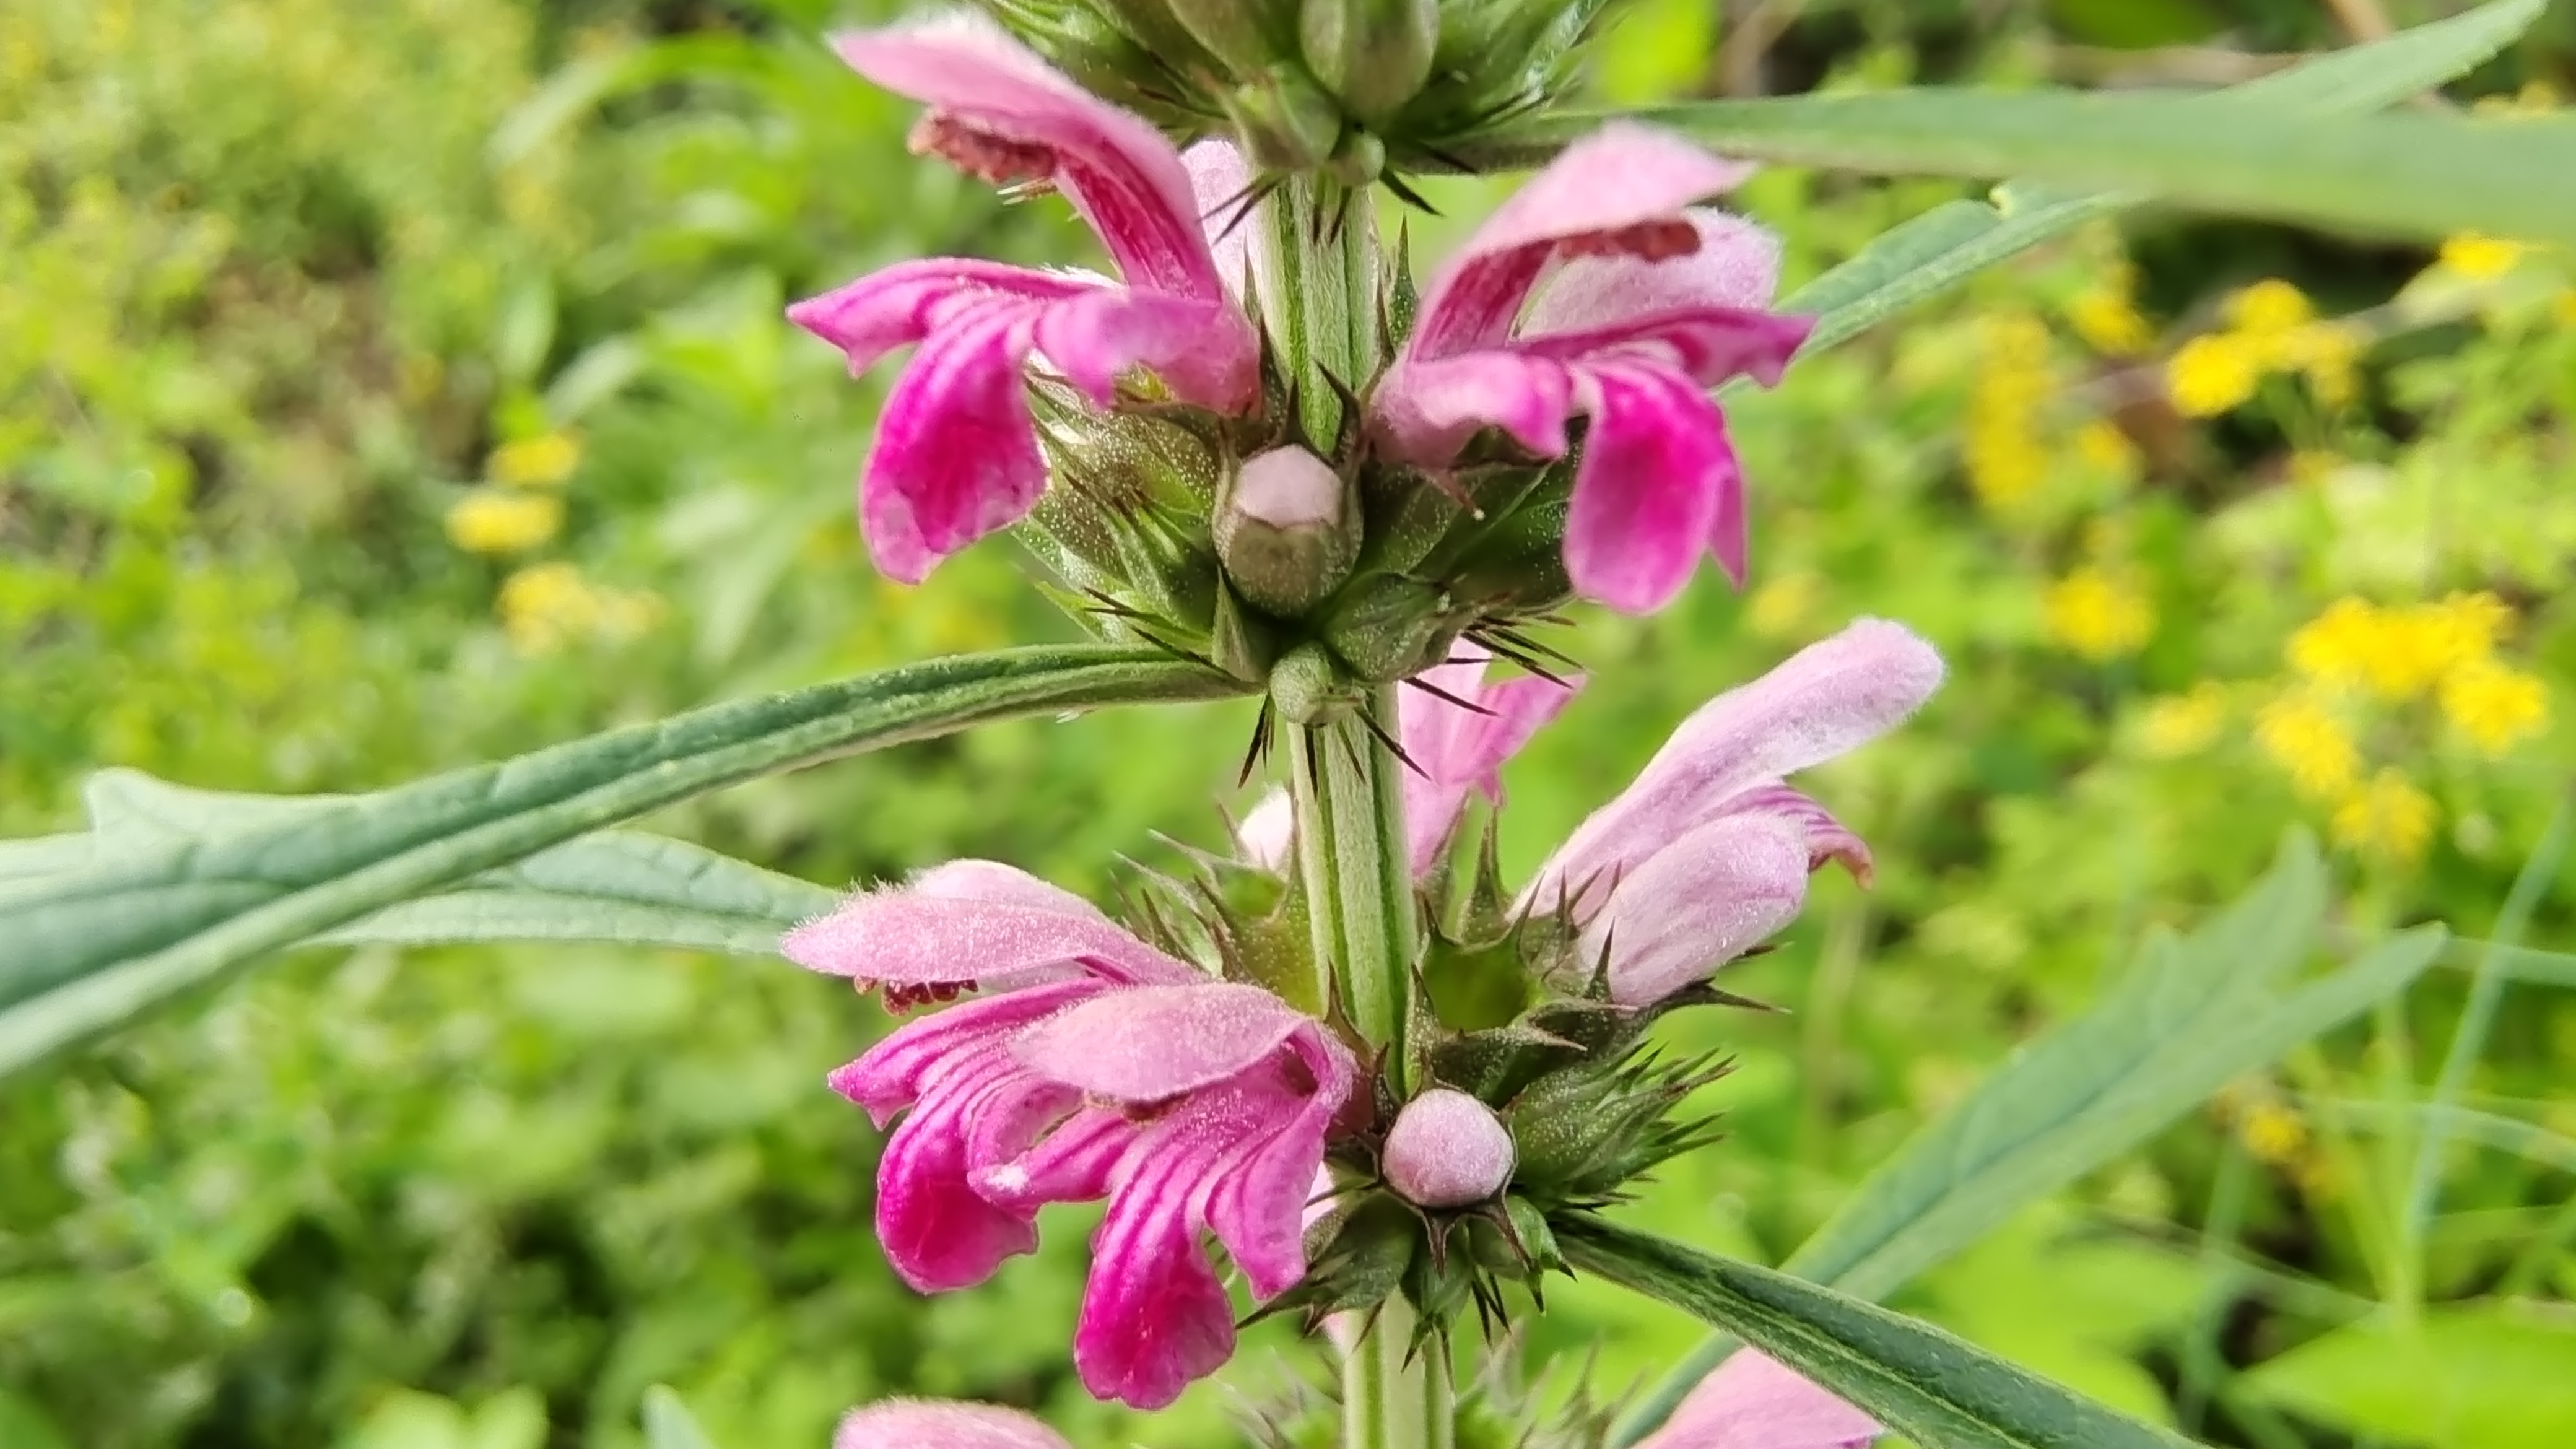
[1694, 905]
[1753, 1401]
[1658, 477]
[1737, 267]
[1153, 1043]
[1458, 738]
[904, 937]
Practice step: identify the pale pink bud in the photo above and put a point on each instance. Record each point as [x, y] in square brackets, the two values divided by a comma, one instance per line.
[1285, 531]
[1447, 1150]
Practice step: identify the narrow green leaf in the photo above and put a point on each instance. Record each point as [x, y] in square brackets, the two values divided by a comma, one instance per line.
[2193, 1015]
[93, 946]
[2415, 174]
[1918, 1381]
[1945, 246]
[612, 885]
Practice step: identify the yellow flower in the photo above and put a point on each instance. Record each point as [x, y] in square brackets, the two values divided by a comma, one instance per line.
[2109, 322]
[2005, 459]
[2329, 353]
[2398, 654]
[489, 521]
[2268, 306]
[1782, 604]
[2185, 724]
[550, 605]
[2336, 646]
[2466, 627]
[2097, 616]
[2106, 449]
[2495, 705]
[2481, 258]
[539, 462]
[2306, 740]
[2211, 374]
[2273, 1134]
[2563, 308]
[2389, 817]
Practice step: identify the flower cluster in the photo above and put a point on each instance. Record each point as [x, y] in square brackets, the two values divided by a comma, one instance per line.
[1070, 1059]
[1541, 425]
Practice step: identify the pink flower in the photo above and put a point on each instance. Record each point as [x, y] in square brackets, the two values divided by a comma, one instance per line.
[928, 1424]
[1458, 732]
[1648, 304]
[957, 454]
[1458, 738]
[1708, 851]
[1092, 1066]
[1750, 1402]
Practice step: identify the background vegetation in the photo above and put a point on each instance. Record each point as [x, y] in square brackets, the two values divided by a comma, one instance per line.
[391, 386]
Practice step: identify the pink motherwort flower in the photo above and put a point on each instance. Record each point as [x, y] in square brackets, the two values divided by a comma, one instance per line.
[1457, 728]
[1643, 302]
[1090, 1065]
[1750, 1402]
[957, 454]
[1708, 851]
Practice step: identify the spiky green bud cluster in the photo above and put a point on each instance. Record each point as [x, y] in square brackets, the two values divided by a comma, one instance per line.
[1310, 565]
[1361, 89]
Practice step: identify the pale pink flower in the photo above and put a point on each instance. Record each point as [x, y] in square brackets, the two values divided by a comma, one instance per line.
[934, 1424]
[1708, 851]
[1093, 1065]
[1750, 1402]
[957, 455]
[1644, 303]
[1458, 732]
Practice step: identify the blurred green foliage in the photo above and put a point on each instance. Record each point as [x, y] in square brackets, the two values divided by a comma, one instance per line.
[299, 299]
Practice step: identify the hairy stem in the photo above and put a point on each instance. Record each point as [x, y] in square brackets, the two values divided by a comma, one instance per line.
[1352, 861]
[1392, 1399]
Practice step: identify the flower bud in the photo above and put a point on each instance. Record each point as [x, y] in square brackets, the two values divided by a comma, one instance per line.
[1248, 35]
[1389, 627]
[1285, 531]
[1374, 54]
[1282, 121]
[1447, 1150]
[1307, 689]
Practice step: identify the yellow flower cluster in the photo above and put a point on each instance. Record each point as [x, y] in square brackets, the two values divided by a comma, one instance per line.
[503, 521]
[2098, 615]
[2271, 327]
[2444, 649]
[539, 462]
[2308, 740]
[2006, 459]
[549, 606]
[2475, 257]
[2185, 724]
[2390, 817]
[2106, 314]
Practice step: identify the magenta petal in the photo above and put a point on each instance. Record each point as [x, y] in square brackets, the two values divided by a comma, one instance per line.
[1152, 1043]
[904, 937]
[937, 1231]
[891, 1075]
[1754, 1401]
[1656, 468]
[920, 1424]
[956, 455]
[1117, 170]
[994, 883]
[1425, 411]
[1154, 1316]
[1458, 749]
[1737, 266]
[902, 304]
[1621, 176]
[1076, 1163]
[1695, 905]
[1710, 345]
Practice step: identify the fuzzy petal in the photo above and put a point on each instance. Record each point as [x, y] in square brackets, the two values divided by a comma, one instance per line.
[1258, 1208]
[1153, 1043]
[1737, 266]
[1077, 1162]
[1753, 1401]
[893, 1074]
[1695, 905]
[1828, 839]
[937, 1231]
[924, 1424]
[1154, 1317]
[906, 302]
[992, 882]
[1828, 698]
[1460, 748]
[1219, 180]
[1619, 177]
[1426, 411]
[906, 937]
[1118, 171]
[956, 455]
[1656, 470]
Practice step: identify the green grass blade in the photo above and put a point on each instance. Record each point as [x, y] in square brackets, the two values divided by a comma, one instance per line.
[1937, 1391]
[92, 947]
[1945, 246]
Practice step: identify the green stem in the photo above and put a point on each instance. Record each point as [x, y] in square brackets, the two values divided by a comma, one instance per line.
[1352, 862]
[1317, 275]
[1389, 1402]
